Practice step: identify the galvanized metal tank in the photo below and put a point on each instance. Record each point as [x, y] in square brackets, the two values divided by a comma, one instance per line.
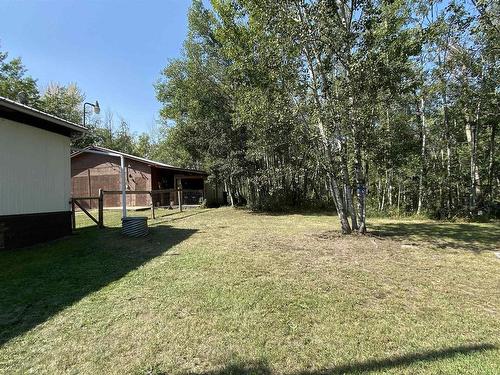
[136, 226]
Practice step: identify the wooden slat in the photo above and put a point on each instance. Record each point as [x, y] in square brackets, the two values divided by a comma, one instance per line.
[86, 212]
[147, 191]
[126, 192]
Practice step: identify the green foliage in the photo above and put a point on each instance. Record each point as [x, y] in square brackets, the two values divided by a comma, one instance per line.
[66, 102]
[14, 81]
[63, 101]
[283, 101]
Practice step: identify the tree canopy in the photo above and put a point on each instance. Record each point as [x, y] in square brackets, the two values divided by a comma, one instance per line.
[66, 101]
[367, 105]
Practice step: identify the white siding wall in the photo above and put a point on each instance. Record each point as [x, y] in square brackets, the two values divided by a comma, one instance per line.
[34, 170]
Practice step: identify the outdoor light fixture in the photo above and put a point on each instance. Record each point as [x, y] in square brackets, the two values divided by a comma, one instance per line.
[96, 107]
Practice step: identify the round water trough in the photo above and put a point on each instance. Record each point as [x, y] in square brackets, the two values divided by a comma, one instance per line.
[135, 226]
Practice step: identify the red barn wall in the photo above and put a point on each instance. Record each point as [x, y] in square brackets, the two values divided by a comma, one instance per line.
[91, 172]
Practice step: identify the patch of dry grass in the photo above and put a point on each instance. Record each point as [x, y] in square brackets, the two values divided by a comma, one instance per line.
[230, 292]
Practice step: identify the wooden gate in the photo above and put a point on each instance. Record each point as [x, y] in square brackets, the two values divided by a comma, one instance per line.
[76, 202]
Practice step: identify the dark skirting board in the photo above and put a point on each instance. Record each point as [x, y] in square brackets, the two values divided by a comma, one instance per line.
[29, 229]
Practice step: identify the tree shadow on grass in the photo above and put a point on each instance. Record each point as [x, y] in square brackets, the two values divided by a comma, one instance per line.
[470, 236]
[176, 216]
[293, 211]
[401, 361]
[237, 368]
[40, 281]
[262, 368]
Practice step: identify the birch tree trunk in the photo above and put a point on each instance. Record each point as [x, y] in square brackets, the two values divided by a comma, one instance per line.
[341, 209]
[340, 205]
[347, 187]
[380, 193]
[389, 188]
[448, 177]
[491, 162]
[471, 130]
[423, 133]
[360, 188]
[448, 181]
[229, 192]
[382, 202]
[399, 195]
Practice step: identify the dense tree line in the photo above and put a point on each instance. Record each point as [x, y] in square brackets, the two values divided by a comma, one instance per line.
[66, 101]
[387, 106]
[371, 106]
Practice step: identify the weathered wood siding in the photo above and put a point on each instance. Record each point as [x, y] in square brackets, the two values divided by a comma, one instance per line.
[91, 172]
[34, 170]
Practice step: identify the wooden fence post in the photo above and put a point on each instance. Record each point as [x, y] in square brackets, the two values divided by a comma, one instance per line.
[73, 216]
[179, 198]
[152, 205]
[101, 209]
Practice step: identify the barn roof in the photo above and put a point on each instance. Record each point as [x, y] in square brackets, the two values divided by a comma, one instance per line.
[149, 162]
[12, 110]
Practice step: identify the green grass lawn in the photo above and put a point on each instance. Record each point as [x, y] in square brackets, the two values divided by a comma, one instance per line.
[226, 291]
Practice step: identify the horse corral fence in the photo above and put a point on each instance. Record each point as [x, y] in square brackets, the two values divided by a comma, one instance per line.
[159, 198]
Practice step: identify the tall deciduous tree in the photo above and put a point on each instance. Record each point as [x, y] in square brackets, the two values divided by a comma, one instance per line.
[367, 104]
[15, 83]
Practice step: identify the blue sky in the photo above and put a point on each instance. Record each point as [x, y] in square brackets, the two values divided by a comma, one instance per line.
[114, 50]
